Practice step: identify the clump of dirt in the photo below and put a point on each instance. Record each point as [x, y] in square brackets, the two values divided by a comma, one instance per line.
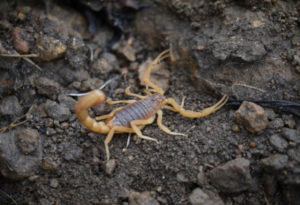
[248, 50]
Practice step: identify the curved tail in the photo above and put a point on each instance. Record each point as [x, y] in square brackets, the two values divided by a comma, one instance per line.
[94, 97]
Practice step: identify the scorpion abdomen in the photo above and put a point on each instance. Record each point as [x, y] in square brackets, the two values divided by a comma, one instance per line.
[140, 110]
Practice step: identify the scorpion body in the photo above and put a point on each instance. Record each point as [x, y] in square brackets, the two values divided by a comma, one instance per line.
[140, 110]
[134, 116]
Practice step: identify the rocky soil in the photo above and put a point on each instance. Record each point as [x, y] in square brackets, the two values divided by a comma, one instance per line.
[243, 154]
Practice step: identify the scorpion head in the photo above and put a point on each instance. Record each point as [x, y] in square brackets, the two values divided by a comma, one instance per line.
[158, 99]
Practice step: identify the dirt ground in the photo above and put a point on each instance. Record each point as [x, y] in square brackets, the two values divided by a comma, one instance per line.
[248, 50]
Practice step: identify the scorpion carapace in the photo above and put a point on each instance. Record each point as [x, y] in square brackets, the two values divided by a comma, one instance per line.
[140, 110]
[136, 114]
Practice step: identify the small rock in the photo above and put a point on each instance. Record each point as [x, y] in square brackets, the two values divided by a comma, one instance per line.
[294, 153]
[77, 53]
[126, 49]
[291, 135]
[181, 178]
[271, 115]
[252, 144]
[235, 128]
[290, 122]
[13, 163]
[276, 123]
[133, 66]
[251, 116]
[53, 183]
[110, 166]
[49, 48]
[278, 143]
[28, 140]
[69, 102]
[81, 75]
[28, 96]
[47, 87]
[72, 151]
[199, 197]
[275, 162]
[19, 42]
[106, 64]
[10, 106]
[33, 178]
[90, 84]
[57, 111]
[144, 198]
[50, 131]
[160, 75]
[234, 176]
[49, 163]
[201, 177]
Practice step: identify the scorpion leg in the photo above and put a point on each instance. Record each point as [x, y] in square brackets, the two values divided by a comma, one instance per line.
[149, 91]
[134, 125]
[163, 127]
[169, 108]
[173, 109]
[146, 76]
[129, 93]
[192, 114]
[112, 131]
[111, 102]
[107, 141]
[102, 117]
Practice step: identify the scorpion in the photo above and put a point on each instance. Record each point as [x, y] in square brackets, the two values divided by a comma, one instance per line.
[132, 117]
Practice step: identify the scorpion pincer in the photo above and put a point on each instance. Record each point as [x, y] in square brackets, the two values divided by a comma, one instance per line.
[136, 114]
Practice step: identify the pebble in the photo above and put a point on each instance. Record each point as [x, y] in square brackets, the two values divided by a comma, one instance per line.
[57, 111]
[16, 165]
[291, 135]
[50, 131]
[47, 87]
[278, 143]
[290, 122]
[71, 151]
[201, 177]
[274, 162]
[136, 198]
[232, 177]
[126, 49]
[199, 197]
[49, 48]
[251, 116]
[48, 163]
[53, 183]
[181, 178]
[235, 128]
[277, 123]
[90, 84]
[77, 53]
[294, 153]
[28, 140]
[270, 114]
[252, 144]
[133, 66]
[110, 166]
[21, 45]
[10, 106]
[68, 101]
[106, 64]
